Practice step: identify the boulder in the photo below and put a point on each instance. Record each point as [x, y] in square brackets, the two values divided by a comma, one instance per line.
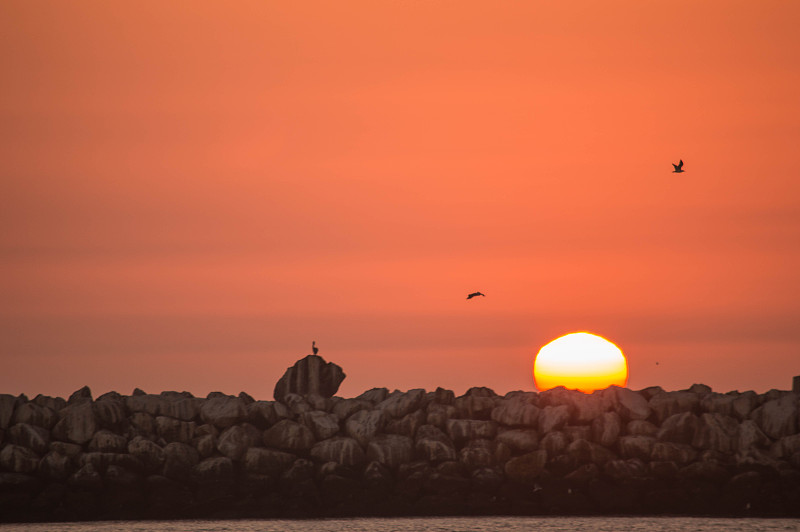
[786, 447]
[18, 459]
[640, 447]
[7, 405]
[583, 408]
[399, 404]
[82, 395]
[554, 443]
[179, 460]
[147, 452]
[262, 461]
[679, 453]
[390, 450]
[264, 414]
[223, 412]
[322, 424]
[606, 428]
[234, 441]
[577, 432]
[519, 440]
[717, 403]
[107, 442]
[377, 478]
[206, 445]
[585, 452]
[289, 436]
[679, 428]
[433, 445]
[777, 418]
[142, 424]
[78, 423]
[364, 425]
[461, 430]
[717, 432]
[668, 404]
[744, 404]
[310, 375]
[56, 466]
[639, 427]
[526, 468]
[406, 425]
[219, 469]
[181, 407]
[344, 451]
[174, 430]
[750, 436]
[67, 449]
[296, 404]
[477, 403]
[552, 418]
[110, 413]
[437, 415]
[146, 403]
[87, 477]
[515, 413]
[477, 454]
[120, 477]
[30, 436]
[33, 414]
[441, 396]
[347, 407]
[629, 404]
[374, 396]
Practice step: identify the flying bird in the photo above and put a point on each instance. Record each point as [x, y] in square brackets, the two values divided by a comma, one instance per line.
[678, 167]
[314, 348]
[473, 294]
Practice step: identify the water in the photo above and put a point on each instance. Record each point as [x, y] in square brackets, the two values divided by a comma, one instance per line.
[428, 524]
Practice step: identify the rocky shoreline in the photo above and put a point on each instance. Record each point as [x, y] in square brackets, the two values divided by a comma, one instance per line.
[616, 451]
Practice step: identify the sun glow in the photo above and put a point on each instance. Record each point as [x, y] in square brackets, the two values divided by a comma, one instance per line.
[580, 361]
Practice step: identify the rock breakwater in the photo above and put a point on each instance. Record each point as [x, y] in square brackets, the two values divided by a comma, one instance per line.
[415, 452]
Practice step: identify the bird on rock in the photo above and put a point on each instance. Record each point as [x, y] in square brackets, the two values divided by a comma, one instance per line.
[314, 348]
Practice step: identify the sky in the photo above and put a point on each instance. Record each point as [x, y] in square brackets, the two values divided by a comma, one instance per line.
[193, 191]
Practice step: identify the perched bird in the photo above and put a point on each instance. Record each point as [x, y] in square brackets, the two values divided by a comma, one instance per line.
[678, 167]
[473, 294]
[314, 348]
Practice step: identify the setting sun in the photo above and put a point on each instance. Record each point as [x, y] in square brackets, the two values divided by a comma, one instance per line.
[580, 361]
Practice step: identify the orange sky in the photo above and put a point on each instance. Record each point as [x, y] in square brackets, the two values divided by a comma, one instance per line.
[194, 191]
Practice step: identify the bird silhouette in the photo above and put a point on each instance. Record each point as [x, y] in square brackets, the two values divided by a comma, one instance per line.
[678, 167]
[473, 294]
[314, 348]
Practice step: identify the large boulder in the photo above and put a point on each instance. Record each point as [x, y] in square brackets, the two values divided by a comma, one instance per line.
[7, 405]
[33, 414]
[526, 468]
[30, 436]
[364, 425]
[323, 424]
[777, 418]
[343, 451]
[398, 404]
[289, 436]
[461, 430]
[516, 413]
[262, 461]
[150, 454]
[606, 428]
[679, 428]
[390, 450]
[552, 418]
[107, 442]
[668, 404]
[310, 375]
[174, 430]
[629, 404]
[716, 431]
[78, 423]
[223, 412]
[18, 459]
[235, 441]
[433, 445]
[477, 454]
[519, 440]
[179, 460]
[636, 447]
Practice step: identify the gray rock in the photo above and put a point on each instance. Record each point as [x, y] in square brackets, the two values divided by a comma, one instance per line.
[343, 451]
[78, 423]
[83, 395]
[700, 389]
[786, 447]
[477, 454]
[105, 441]
[679, 453]
[33, 414]
[289, 436]
[744, 404]
[322, 424]
[477, 403]
[639, 427]
[716, 431]
[223, 412]
[147, 452]
[527, 468]
[7, 405]
[234, 442]
[399, 404]
[606, 428]
[519, 440]
[390, 450]
[679, 428]
[586, 452]
[640, 447]
[266, 413]
[515, 413]
[56, 466]
[668, 404]
[406, 425]
[777, 418]
[110, 413]
[296, 404]
[30, 436]
[217, 469]
[262, 461]
[629, 404]
[717, 403]
[554, 443]
[437, 415]
[374, 396]
[441, 396]
[364, 425]
[750, 436]
[206, 445]
[182, 408]
[461, 430]
[67, 449]
[347, 407]
[179, 460]
[552, 418]
[18, 459]
[310, 375]
[173, 430]
[147, 403]
[583, 408]
[433, 445]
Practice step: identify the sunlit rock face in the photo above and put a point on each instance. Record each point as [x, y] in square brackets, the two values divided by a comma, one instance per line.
[399, 453]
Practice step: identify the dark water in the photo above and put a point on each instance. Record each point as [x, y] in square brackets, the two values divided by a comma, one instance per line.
[433, 524]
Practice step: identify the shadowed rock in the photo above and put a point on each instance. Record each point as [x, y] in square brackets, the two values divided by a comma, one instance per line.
[310, 375]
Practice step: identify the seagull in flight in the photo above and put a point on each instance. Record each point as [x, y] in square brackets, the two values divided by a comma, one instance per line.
[678, 167]
[473, 294]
